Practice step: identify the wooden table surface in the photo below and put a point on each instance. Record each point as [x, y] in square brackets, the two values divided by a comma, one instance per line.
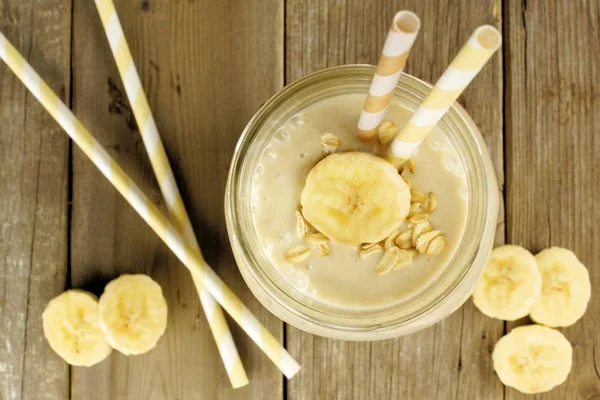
[207, 66]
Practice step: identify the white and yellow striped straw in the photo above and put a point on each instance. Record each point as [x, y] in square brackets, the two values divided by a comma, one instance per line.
[396, 49]
[484, 41]
[147, 210]
[168, 186]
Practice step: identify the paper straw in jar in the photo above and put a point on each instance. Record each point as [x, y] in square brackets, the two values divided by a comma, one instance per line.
[168, 186]
[396, 49]
[484, 41]
[147, 210]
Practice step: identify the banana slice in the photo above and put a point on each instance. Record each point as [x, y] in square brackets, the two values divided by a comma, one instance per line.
[355, 198]
[533, 359]
[133, 313]
[511, 283]
[71, 325]
[566, 288]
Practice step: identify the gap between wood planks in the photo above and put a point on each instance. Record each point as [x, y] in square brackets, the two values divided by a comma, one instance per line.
[507, 176]
[68, 283]
[285, 82]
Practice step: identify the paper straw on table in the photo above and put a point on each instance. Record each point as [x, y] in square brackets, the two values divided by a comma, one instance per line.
[168, 186]
[147, 210]
[484, 41]
[396, 49]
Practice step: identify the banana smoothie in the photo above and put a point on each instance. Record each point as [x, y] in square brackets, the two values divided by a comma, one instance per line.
[340, 223]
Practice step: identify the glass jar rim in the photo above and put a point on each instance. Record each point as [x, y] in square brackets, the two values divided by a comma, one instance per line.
[303, 315]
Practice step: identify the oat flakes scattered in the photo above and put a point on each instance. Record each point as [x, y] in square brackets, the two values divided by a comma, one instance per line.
[418, 218]
[371, 250]
[298, 253]
[386, 132]
[416, 196]
[431, 203]
[324, 250]
[412, 252]
[419, 230]
[410, 164]
[330, 142]
[367, 246]
[390, 239]
[425, 239]
[388, 261]
[404, 240]
[316, 238]
[301, 225]
[436, 245]
[415, 208]
[404, 260]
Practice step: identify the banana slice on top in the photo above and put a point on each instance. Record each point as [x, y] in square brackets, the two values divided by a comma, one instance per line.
[511, 283]
[133, 313]
[533, 358]
[566, 288]
[355, 198]
[71, 325]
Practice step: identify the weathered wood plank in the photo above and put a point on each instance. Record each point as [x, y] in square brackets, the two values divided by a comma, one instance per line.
[206, 67]
[451, 359]
[552, 147]
[33, 201]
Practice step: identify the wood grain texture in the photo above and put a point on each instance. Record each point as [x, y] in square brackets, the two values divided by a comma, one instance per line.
[206, 69]
[451, 359]
[552, 147]
[33, 201]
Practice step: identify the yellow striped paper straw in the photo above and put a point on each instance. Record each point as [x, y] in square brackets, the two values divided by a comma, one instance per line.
[396, 49]
[484, 41]
[168, 186]
[147, 210]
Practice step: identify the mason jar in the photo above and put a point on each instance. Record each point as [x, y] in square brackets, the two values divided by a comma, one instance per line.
[440, 298]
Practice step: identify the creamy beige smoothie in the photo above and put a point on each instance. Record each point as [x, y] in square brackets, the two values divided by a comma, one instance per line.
[345, 278]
